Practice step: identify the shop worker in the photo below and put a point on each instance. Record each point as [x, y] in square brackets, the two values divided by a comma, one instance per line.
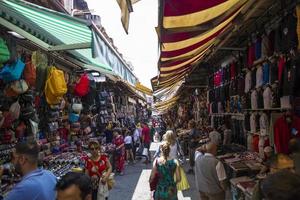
[74, 186]
[36, 184]
[210, 173]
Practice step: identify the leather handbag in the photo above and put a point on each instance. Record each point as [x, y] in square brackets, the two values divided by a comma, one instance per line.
[76, 105]
[19, 86]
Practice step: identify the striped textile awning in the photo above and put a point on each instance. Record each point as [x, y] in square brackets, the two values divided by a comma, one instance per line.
[187, 32]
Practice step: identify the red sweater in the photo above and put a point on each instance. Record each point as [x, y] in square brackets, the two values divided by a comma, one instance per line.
[282, 133]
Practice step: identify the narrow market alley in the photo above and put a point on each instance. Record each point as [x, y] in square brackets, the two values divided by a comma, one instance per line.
[149, 99]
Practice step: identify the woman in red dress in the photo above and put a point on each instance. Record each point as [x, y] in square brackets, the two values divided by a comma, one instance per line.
[118, 141]
[98, 167]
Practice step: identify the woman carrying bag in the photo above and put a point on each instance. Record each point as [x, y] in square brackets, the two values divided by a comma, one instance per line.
[176, 153]
[162, 175]
[98, 167]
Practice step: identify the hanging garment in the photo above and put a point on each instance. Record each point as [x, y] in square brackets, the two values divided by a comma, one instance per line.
[260, 99]
[254, 100]
[273, 71]
[232, 70]
[253, 123]
[255, 142]
[251, 55]
[248, 82]
[281, 66]
[273, 119]
[289, 33]
[253, 78]
[264, 124]
[259, 76]
[247, 122]
[265, 46]
[266, 73]
[258, 48]
[275, 96]
[241, 85]
[267, 95]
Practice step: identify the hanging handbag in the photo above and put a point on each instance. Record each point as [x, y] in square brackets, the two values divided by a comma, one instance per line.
[73, 117]
[15, 109]
[183, 184]
[19, 86]
[12, 72]
[76, 105]
[83, 86]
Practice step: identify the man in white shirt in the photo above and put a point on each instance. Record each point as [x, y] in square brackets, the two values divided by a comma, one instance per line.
[215, 136]
[209, 173]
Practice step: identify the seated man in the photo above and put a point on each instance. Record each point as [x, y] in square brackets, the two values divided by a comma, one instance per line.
[74, 186]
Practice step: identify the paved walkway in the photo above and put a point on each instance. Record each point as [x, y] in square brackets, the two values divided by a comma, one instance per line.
[134, 184]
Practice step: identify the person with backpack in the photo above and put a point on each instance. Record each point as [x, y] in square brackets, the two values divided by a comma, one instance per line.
[98, 167]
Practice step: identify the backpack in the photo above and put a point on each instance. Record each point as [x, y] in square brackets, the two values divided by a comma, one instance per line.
[82, 87]
[55, 86]
[12, 72]
[40, 61]
[30, 73]
[4, 52]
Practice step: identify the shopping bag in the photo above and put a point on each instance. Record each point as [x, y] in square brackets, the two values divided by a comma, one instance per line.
[111, 181]
[103, 191]
[145, 152]
[183, 184]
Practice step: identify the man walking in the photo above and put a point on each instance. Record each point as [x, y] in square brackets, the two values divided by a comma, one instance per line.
[146, 140]
[210, 173]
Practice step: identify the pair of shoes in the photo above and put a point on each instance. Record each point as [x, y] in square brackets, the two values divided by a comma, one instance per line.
[121, 173]
[191, 171]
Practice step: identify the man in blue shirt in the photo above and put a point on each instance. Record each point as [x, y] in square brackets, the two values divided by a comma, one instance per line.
[36, 184]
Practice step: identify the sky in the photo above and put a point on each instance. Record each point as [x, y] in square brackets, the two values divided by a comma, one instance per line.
[140, 46]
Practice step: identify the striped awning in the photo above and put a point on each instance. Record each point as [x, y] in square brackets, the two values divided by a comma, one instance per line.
[187, 32]
[140, 87]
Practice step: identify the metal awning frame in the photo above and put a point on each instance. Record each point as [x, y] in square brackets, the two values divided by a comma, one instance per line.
[42, 44]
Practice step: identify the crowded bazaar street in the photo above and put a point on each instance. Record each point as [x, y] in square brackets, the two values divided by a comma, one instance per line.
[149, 99]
